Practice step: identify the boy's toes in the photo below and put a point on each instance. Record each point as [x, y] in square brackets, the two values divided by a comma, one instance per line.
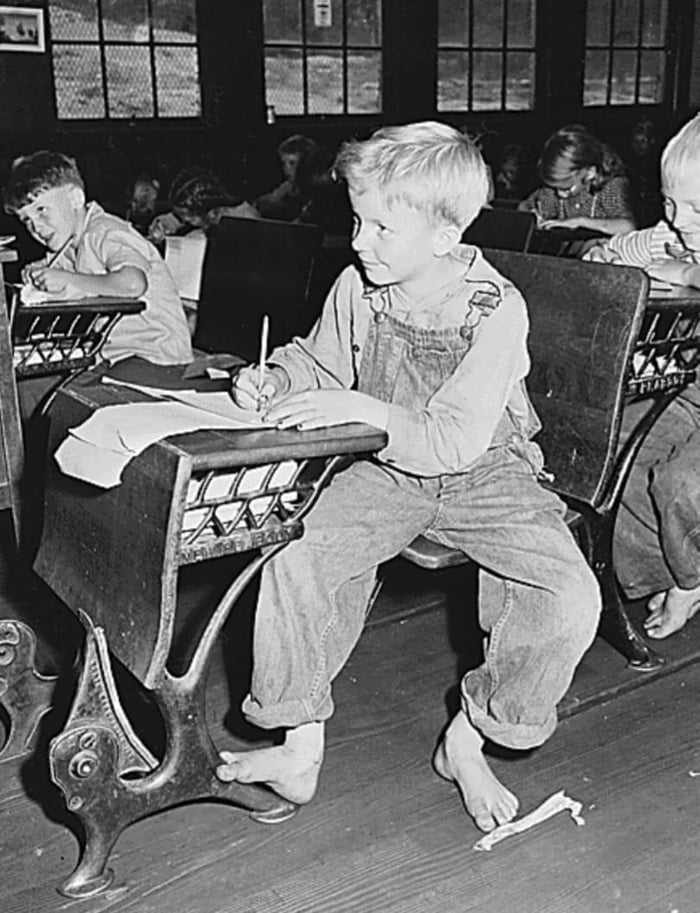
[483, 818]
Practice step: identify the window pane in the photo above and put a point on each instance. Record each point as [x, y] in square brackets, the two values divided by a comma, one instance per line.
[174, 21]
[129, 86]
[284, 81]
[177, 82]
[654, 24]
[76, 21]
[488, 23]
[325, 76]
[595, 79]
[282, 21]
[598, 14]
[520, 81]
[651, 80]
[626, 23]
[624, 74]
[521, 23]
[364, 82]
[78, 79]
[488, 80]
[364, 25]
[453, 23]
[453, 81]
[325, 34]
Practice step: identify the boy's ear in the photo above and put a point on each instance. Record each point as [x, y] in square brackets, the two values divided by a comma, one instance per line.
[447, 238]
[77, 196]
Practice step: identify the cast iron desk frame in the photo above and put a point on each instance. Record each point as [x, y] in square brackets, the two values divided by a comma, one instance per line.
[186, 499]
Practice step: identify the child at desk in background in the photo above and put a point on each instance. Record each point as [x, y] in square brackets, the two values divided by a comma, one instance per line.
[198, 200]
[428, 343]
[657, 536]
[584, 185]
[91, 253]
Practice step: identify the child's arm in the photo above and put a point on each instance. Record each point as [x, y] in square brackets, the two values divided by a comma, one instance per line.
[607, 226]
[125, 282]
[675, 272]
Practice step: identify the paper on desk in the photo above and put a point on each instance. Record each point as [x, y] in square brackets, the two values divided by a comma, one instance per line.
[184, 256]
[99, 449]
[559, 802]
[218, 402]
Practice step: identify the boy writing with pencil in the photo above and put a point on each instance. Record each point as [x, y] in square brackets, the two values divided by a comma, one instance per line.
[429, 343]
[90, 253]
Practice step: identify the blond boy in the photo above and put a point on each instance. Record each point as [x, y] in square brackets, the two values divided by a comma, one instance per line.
[428, 342]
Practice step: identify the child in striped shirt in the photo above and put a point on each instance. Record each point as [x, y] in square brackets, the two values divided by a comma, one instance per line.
[657, 538]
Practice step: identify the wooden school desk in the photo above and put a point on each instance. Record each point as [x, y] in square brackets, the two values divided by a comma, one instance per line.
[113, 556]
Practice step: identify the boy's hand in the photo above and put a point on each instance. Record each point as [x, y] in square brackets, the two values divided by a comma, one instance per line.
[245, 390]
[50, 280]
[323, 408]
[163, 225]
[598, 253]
[675, 272]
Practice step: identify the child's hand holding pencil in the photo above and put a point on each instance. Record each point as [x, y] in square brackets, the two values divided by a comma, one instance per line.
[257, 385]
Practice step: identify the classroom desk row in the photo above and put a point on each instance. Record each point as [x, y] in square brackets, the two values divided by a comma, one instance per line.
[185, 499]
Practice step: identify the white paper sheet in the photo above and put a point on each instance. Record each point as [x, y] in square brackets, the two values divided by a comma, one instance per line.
[99, 449]
[559, 802]
[184, 257]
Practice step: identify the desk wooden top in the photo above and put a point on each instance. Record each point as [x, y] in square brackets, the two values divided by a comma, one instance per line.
[220, 449]
[102, 303]
[674, 295]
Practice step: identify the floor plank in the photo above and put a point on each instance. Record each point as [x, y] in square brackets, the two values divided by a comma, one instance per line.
[384, 833]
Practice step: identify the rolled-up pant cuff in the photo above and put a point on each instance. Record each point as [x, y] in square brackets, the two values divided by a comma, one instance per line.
[511, 735]
[285, 715]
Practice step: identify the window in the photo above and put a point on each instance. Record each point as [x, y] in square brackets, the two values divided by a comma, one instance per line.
[124, 58]
[486, 55]
[323, 56]
[625, 59]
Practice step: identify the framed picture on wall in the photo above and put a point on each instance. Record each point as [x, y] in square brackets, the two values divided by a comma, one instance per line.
[21, 28]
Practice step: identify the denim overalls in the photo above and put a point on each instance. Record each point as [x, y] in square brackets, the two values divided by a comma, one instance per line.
[538, 599]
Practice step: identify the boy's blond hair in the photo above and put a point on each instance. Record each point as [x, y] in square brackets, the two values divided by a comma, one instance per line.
[681, 153]
[428, 166]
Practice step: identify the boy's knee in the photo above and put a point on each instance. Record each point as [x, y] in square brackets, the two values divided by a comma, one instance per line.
[582, 602]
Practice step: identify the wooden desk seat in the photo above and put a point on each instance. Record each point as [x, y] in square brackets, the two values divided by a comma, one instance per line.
[185, 499]
[596, 343]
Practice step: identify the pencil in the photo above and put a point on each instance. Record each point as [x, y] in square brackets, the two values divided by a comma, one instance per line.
[264, 335]
[61, 250]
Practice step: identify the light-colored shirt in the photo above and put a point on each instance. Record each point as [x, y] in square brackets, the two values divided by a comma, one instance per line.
[160, 332]
[640, 248]
[458, 423]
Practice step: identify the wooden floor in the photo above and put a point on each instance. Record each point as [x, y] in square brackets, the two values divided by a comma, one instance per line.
[385, 833]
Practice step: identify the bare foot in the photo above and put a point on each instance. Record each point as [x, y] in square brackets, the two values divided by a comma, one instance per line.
[459, 758]
[291, 769]
[669, 611]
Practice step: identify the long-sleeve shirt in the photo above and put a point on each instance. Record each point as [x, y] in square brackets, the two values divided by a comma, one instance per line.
[457, 425]
[640, 248]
